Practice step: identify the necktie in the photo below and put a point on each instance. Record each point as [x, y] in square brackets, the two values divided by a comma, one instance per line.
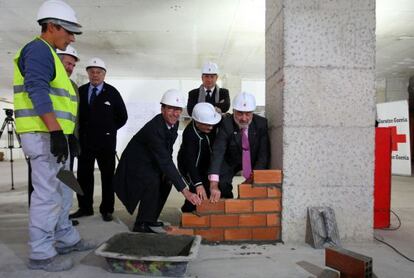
[93, 95]
[208, 96]
[247, 165]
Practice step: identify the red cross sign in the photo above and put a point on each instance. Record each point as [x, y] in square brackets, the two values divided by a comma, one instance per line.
[397, 138]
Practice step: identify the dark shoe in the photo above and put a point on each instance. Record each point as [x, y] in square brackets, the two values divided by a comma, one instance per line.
[82, 245]
[75, 222]
[155, 224]
[54, 264]
[107, 217]
[80, 213]
[142, 228]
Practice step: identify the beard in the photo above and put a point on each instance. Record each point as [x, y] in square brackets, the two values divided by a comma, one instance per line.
[242, 125]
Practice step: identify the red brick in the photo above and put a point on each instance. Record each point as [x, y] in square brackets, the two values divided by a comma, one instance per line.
[274, 192]
[173, 230]
[237, 234]
[192, 220]
[266, 233]
[248, 191]
[216, 234]
[273, 219]
[267, 176]
[251, 220]
[224, 220]
[238, 206]
[266, 205]
[349, 263]
[208, 207]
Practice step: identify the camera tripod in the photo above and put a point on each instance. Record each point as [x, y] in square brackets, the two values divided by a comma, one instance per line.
[11, 131]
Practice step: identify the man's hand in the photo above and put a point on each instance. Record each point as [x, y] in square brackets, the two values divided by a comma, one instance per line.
[201, 192]
[191, 197]
[74, 147]
[214, 192]
[59, 145]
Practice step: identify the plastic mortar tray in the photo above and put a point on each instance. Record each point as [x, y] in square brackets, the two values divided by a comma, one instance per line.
[150, 254]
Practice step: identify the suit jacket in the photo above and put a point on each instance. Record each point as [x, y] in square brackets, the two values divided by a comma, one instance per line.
[144, 162]
[99, 122]
[227, 149]
[223, 104]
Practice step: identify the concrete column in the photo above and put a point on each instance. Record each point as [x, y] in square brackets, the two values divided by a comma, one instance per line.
[320, 102]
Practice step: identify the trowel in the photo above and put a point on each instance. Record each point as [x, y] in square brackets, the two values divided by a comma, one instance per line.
[68, 178]
[321, 228]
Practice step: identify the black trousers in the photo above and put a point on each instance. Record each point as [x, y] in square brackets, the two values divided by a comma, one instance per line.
[153, 200]
[86, 166]
[226, 181]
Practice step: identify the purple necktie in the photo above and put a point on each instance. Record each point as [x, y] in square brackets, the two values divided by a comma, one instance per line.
[247, 166]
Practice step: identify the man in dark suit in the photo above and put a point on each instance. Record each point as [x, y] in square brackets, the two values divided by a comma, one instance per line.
[242, 143]
[146, 169]
[101, 113]
[209, 91]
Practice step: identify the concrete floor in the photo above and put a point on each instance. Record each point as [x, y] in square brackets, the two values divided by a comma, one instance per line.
[243, 260]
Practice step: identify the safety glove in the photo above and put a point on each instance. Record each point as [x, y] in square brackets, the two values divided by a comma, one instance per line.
[59, 145]
[74, 147]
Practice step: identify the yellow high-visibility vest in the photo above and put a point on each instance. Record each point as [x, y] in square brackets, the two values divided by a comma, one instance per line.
[61, 94]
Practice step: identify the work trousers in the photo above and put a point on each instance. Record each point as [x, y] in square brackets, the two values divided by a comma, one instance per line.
[86, 167]
[153, 200]
[50, 201]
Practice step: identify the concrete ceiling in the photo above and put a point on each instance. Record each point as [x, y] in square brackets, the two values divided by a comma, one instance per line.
[173, 38]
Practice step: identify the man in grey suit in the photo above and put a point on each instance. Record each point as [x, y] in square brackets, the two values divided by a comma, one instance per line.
[242, 143]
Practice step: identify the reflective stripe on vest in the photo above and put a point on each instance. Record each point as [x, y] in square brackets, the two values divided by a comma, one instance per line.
[62, 95]
[53, 91]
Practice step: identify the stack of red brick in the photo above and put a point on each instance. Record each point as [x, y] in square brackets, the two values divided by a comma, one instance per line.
[254, 216]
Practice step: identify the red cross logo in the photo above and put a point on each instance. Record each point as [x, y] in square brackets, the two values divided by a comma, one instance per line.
[396, 138]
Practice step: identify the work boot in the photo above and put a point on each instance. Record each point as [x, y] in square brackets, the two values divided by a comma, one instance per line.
[82, 245]
[54, 264]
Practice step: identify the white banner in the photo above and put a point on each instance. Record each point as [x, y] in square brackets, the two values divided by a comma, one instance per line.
[395, 115]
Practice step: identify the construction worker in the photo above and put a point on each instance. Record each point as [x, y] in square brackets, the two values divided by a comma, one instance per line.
[45, 109]
[242, 143]
[194, 155]
[209, 91]
[69, 58]
[146, 169]
[101, 113]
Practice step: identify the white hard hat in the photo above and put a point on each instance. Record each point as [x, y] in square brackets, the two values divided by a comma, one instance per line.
[210, 68]
[70, 50]
[244, 102]
[205, 113]
[60, 13]
[173, 97]
[96, 63]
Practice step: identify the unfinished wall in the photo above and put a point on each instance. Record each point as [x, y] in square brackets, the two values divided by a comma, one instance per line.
[253, 217]
[320, 101]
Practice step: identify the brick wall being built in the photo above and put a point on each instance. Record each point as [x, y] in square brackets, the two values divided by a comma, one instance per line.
[254, 216]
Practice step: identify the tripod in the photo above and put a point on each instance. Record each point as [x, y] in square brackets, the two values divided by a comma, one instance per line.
[11, 131]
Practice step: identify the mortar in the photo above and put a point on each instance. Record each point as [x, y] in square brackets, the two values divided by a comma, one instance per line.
[149, 254]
